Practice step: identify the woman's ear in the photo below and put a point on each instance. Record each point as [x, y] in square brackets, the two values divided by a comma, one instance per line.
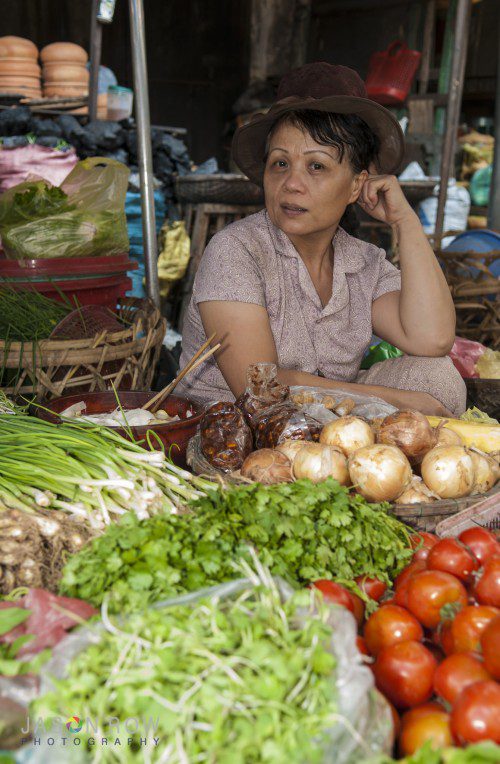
[357, 185]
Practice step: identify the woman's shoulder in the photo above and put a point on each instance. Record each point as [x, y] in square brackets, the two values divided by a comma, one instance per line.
[359, 254]
[250, 233]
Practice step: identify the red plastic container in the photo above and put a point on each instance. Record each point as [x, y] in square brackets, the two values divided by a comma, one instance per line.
[391, 73]
[92, 280]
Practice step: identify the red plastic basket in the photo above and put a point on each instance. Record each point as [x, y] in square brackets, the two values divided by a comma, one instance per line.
[391, 73]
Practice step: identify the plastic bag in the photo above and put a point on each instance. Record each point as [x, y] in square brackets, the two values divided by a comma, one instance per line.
[83, 217]
[175, 248]
[339, 403]
[456, 210]
[262, 391]
[362, 724]
[380, 352]
[488, 365]
[465, 354]
[52, 165]
[226, 439]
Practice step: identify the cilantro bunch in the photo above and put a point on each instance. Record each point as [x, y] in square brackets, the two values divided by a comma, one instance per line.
[302, 531]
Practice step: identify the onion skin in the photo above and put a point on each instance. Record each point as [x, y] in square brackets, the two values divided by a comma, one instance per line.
[447, 437]
[291, 448]
[416, 493]
[267, 466]
[349, 433]
[380, 472]
[449, 471]
[410, 431]
[317, 462]
[486, 472]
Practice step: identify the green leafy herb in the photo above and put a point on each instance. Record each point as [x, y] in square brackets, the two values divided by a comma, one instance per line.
[11, 617]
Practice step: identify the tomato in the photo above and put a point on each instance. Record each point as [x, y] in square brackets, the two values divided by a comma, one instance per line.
[468, 625]
[372, 587]
[388, 625]
[414, 567]
[396, 721]
[452, 557]
[361, 645]
[490, 645]
[487, 587]
[422, 542]
[358, 608]
[429, 591]
[482, 543]
[433, 727]
[444, 636]
[404, 673]
[417, 711]
[455, 673]
[333, 592]
[476, 712]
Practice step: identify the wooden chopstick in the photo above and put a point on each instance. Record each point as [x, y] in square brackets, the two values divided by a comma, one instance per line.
[196, 360]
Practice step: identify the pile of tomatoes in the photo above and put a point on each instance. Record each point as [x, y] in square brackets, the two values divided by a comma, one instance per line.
[434, 642]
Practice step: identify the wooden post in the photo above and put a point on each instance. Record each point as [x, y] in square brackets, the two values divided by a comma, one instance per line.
[95, 59]
[278, 37]
[453, 110]
[428, 41]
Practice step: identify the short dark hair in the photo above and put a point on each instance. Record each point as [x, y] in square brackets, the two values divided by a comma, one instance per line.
[347, 133]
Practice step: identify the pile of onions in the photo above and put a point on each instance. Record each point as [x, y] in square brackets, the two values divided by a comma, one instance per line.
[416, 493]
[318, 462]
[349, 433]
[486, 471]
[410, 431]
[447, 437]
[267, 466]
[291, 448]
[379, 472]
[449, 471]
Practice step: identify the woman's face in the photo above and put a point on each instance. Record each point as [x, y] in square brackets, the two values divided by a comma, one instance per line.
[306, 188]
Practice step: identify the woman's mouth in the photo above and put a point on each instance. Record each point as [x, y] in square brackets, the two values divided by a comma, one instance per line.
[293, 210]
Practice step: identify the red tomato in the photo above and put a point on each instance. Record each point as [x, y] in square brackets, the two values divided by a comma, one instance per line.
[404, 673]
[433, 726]
[452, 557]
[396, 721]
[444, 636]
[372, 587]
[487, 587]
[388, 625]
[422, 542]
[476, 712]
[455, 673]
[418, 711]
[414, 567]
[358, 608]
[336, 593]
[490, 645]
[468, 625]
[429, 591]
[361, 645]
[482, 543]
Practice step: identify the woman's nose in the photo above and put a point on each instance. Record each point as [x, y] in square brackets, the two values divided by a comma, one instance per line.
[294, 180]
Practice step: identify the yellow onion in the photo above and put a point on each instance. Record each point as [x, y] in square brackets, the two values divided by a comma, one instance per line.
[449, 471]
[291, 448]
[267, 466]
[447, 437]
[486, 471]
[416, 493]
[410, 431]
[379, 472]
[349, 433]
[318, 461]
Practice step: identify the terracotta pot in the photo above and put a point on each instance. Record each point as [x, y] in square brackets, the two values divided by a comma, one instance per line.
[19, 82]
[65, 73]
[17, 90]
[23, 66]
[64, 51]
[65, 92]
[18, 47]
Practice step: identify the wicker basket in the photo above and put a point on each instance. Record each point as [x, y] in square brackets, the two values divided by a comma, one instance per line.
[485, 394]
[218, 189]
[127, 358]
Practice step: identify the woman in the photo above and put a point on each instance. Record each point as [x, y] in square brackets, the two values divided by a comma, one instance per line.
[288, 285]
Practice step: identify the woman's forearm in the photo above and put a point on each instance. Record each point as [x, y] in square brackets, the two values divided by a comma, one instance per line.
[292, 377]
[426, 307]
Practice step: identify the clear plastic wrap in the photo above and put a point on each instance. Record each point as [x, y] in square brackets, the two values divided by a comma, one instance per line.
[262, 391]
[226, 439]
[339, 403]
[362, 725]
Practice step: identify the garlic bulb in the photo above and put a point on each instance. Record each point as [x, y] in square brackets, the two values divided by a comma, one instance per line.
[318, 461]
[379, 472]
[449, 471]
[486, 471]
[349, 433]
[416, 493]
[410, 431]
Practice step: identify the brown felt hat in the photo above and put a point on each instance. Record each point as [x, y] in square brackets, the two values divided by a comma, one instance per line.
[321, 87]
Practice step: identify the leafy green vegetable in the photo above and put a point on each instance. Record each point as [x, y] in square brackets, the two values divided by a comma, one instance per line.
[10, 617]
[35, 200]
[302, 531]
[479, 753]
[235, 680]
[11, 665]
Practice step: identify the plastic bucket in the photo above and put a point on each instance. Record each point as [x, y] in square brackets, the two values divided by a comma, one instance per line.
[478, 241]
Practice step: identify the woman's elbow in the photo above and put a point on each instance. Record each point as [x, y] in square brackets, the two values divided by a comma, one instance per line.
[440, 345]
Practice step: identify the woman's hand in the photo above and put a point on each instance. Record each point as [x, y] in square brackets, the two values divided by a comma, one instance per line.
[383, 199]
[423, 402]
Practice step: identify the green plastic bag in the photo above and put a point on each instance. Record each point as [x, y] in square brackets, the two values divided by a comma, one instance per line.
[84, 217]
[380, 352]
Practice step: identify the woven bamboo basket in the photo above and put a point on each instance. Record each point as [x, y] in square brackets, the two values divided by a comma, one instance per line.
[126, 358]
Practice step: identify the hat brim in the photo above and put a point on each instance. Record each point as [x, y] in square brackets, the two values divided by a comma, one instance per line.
[249, 141]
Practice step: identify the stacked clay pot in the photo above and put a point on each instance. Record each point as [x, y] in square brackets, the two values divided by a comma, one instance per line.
[19, 70]
[65, 74]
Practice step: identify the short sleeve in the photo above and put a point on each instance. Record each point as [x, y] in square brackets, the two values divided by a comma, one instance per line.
[228, 272]
[389, 279]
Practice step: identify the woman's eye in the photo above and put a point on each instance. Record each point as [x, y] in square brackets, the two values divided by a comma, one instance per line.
[317, 166]
[280, 163]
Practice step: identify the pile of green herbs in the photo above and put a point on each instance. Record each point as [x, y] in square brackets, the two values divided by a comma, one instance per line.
[28, 316]
[486, 752]
[10, 662]
[238, 680]
[302, 531]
